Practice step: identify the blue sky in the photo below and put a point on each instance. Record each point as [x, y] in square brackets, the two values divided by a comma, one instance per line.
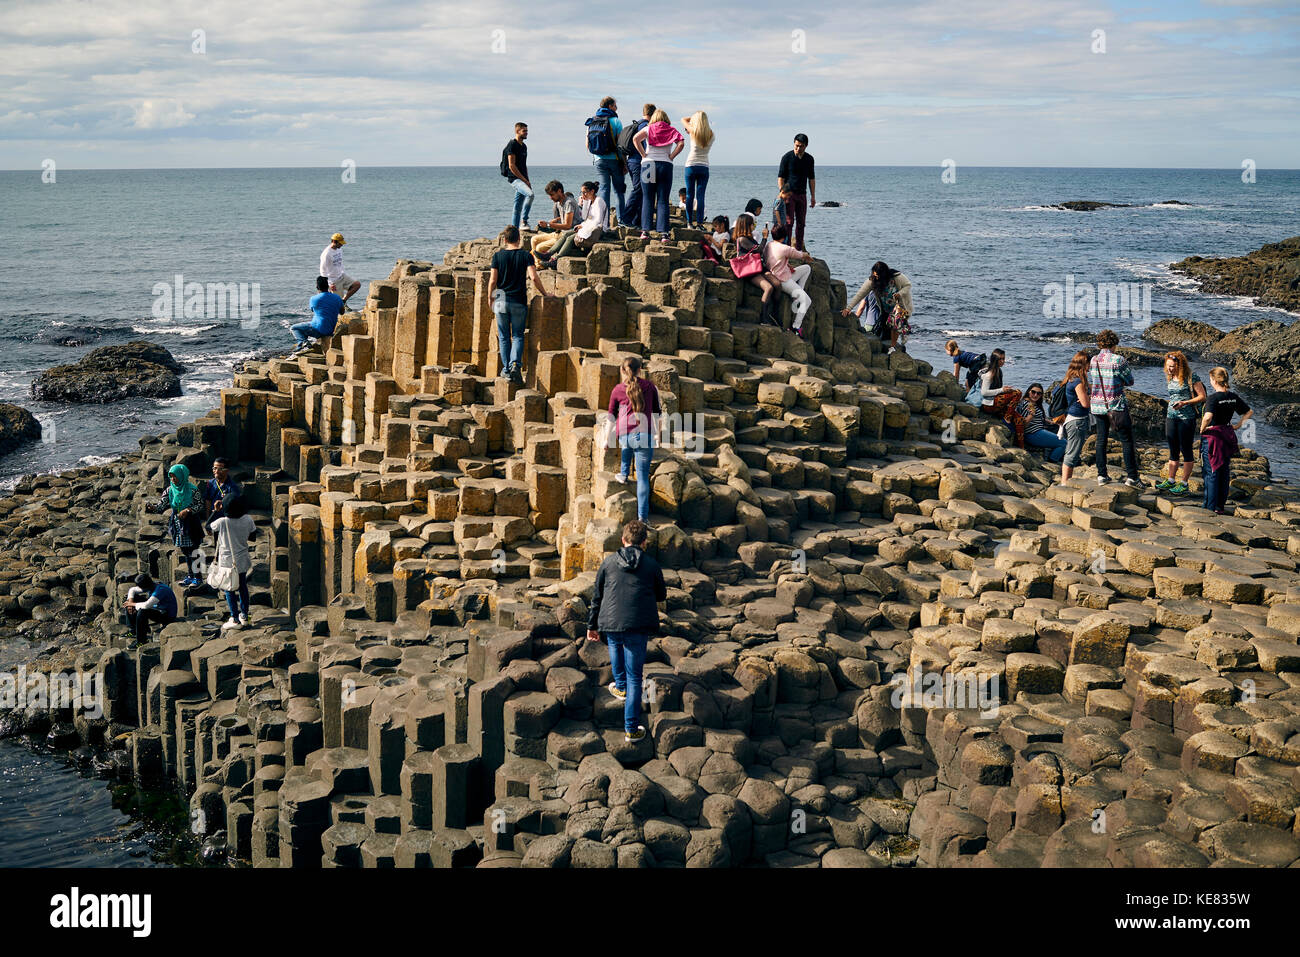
[1181, 83]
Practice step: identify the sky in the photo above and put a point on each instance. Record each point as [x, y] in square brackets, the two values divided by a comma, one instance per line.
[113, 84]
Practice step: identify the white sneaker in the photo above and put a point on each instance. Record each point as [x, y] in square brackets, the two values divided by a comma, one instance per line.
[232, 623]
[613, 689]
[1135, 483]
[1103, 479]
[243, 621]
[621, 479]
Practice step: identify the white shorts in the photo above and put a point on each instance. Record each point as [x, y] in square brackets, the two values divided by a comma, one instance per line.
[342, 284]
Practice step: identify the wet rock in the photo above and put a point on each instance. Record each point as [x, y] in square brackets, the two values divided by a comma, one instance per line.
[111, 373]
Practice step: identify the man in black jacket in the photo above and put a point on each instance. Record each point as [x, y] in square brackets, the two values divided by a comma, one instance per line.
[625, 606]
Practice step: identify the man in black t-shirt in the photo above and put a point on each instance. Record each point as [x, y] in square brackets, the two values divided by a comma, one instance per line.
[798, 173]
[514, 167]
[1218, 439]
[508, 293]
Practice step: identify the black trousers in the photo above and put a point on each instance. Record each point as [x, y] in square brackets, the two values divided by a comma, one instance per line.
[140, 620]
[1122, 425]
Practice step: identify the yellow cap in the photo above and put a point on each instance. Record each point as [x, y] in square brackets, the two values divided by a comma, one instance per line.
[338, 238]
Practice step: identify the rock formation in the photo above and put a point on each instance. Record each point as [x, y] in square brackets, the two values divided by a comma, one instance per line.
[110, 373]
[889, 639]
[1270, 275]
[17, 426]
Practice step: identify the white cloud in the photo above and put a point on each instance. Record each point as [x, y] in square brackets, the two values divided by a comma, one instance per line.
[161, 115]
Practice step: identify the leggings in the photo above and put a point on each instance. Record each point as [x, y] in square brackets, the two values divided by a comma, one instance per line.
[1180, 433]
[794, 287]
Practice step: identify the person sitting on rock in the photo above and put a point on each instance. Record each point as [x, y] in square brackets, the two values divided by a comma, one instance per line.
[593, 225]
[550, 231]
[1036, 433]
[147, 602]
[325, 308]
[776, 256]
[331, 267]
[625, 608]
[185, 524]
[746, 243]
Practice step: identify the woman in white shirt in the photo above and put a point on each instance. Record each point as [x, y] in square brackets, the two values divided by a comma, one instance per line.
[234, 529]
[697, 165]
[659, 143]
[991, 383]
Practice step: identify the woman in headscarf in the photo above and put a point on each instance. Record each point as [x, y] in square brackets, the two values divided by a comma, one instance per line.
[185, 524]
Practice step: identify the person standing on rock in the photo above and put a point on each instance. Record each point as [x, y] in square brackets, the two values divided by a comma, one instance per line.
[185, 524]
[331, 267]
[603, 131]
[798, 172]
[632, 160]
[625, 608]
[697, 165]
[508, 293]
[887, 314]
[1185, 393]
[776, 256]
[215, 489]
[1219, 438]
[325, 309]
[514, 167]
[1076, 423]
[1108, 375]
[234, 527]
[659, 143]
[146, 602]
[633, 403]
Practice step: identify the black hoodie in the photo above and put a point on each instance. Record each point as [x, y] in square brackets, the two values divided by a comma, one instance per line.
[629, 586]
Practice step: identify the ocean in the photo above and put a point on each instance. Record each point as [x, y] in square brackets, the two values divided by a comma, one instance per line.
[90, 257]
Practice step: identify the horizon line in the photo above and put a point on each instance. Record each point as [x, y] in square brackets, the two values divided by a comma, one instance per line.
[158, 169]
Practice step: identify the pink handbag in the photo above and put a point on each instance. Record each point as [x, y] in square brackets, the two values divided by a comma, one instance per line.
[750, 264]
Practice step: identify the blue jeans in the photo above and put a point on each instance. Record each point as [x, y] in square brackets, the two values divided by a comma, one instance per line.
[523, 202]
[627, 657]
[697, 179]
[607, 172]
[632, 209]
[638, 446]
[242, 607]
[510, 332]
[304, 332]
[871, 316]
[654, 198]
[1216, 483]
[1046, 439]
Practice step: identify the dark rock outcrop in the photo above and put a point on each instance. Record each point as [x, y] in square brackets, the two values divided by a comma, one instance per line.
[1286, 415]
[111, 373]
[17, 426]
[1270, 275]
[1187, 335]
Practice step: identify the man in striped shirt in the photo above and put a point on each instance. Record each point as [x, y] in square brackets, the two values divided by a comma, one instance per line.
[1108, 375]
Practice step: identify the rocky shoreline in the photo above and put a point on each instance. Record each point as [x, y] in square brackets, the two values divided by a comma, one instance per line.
[890, 638]
[1263, 355]
[1270, 275]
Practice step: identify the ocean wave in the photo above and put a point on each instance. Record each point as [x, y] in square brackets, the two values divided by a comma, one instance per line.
[88, 460]
[170, 329]
[965, 332]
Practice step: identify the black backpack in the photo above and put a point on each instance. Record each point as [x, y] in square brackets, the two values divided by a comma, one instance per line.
[505, 162]
[1059, 404]
[973, 370]
[600, 136]
[625, 138]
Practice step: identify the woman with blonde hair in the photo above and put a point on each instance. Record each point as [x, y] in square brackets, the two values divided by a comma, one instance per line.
[697, 164]
[1077, 420]
[632, 403]
[659, 143]
[1186, 391]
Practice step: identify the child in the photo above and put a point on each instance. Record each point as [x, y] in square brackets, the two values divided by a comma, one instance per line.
[681, 198]
[781, 209]
[721, 232]
[234, 528]
[972, 362]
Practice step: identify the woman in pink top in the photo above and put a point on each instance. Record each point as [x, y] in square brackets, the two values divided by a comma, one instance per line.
[659, 143]
[632, 403]
[777, 257]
